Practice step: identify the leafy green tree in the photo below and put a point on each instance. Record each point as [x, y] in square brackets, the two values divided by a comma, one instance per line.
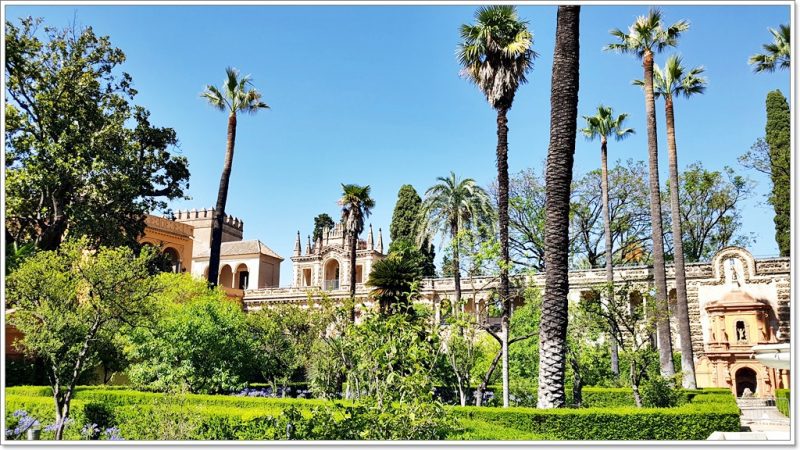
[356, 207]
[80, 156]
[560, 159]
[779, 139]
[461, 350]
[710, 214]
[283, 337]
[394, 357]
[69, 302]
[496, 54]
[648, 36]
[675, 81]
[777, 54]
[321, 222]
[631, 326]
[236, 96]
[200, 342]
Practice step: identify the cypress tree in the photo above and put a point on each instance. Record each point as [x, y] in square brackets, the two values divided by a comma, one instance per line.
[406, 212]
[778, 139]
[404, 226]
[321, 221]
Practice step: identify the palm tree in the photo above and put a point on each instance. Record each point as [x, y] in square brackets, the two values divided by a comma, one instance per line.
[393, 282]
[778, 53]
[602, 125]
[235, 97]
[560, 158]
[646, 36]
[452, 205]
[496, 54]
[676, 80]
[356, 206]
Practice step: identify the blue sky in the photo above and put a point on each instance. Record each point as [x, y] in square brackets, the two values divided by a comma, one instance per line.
[371, 95]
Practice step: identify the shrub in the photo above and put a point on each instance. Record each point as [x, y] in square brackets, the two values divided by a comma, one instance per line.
[782, 400]
[659, 392]
[688, 422]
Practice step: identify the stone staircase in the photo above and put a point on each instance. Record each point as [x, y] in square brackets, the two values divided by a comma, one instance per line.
[761, 413]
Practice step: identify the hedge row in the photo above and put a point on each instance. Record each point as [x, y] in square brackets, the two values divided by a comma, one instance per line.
[618, 397]
[687, 422]
[782, 400]
[149, 416]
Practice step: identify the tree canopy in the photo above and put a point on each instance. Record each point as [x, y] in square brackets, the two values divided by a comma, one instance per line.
[80, 156]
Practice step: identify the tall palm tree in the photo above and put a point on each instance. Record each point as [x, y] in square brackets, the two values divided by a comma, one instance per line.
[645, 37]
[452, 205]
[777, 54]
[236, 96]
[558, 178]
[602, 125]
[495, 54]
[676, 80]
[356, 206]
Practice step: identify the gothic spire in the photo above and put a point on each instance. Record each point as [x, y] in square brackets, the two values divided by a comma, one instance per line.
[380, 241]
[308, 245]
[297, 245]
[370, 245]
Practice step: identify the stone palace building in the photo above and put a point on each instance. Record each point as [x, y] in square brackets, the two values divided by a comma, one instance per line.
[735, 300]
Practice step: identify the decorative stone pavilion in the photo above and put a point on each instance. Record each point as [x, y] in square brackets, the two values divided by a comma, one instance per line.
[326, 264]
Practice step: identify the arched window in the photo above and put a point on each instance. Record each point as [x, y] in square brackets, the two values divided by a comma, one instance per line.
[242, 276]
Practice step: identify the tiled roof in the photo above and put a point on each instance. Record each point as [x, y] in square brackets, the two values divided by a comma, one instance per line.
[242, 248]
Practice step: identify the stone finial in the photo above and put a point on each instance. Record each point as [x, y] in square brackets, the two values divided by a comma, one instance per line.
[326, 234]
[308, 245]
[370, 242]
[380, 241]
[318, 245]
[297, 245]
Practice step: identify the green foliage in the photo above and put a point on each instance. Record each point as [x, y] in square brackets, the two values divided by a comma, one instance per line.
[70, 303]
[283, 338]
[709, 210]
[778, 53]
[393, 358]
[496, 53]
[394, 283]
[321, 222]
[523, 358]
[202, 344]
[783, 401]
[660, 392]
[405, 215]
[778, 136]
[71, 128]
[688, 422]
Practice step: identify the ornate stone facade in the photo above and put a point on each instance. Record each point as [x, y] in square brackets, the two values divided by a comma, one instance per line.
[732, 270]
[326, 264]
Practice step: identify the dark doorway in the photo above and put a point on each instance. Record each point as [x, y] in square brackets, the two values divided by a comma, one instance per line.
[746, 379]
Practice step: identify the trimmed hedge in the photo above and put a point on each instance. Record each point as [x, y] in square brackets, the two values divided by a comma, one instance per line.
[150, 416]
[688, 422]
[783, 401]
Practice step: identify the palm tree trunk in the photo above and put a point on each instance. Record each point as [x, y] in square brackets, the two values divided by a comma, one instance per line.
[502, 213]
[681, 304]
[659, 273]
[456, 264]
[219, 210]
[560, 158]
[353, 243]
[609, 243]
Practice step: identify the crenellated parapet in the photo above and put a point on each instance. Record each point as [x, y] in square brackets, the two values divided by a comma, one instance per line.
[190, 215]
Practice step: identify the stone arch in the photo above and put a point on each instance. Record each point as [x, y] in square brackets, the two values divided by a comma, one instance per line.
[241, 276]
[174, 258]
[746, 377]
[331, 274]
[720, 269]
[226, 276]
